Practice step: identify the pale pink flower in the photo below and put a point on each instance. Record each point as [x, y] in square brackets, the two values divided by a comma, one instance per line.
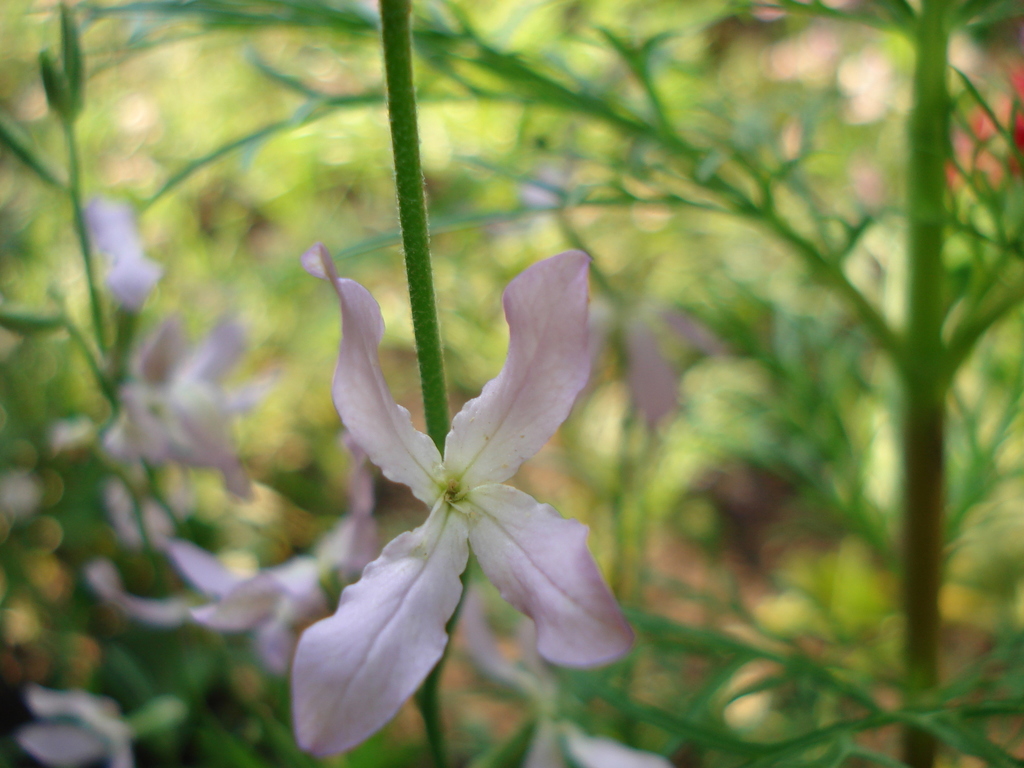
[274, 602]
[353, 671]
[103, 578]
[75, 728]
[174, 407]
[554, 738]
[353, 543]
[113, 231]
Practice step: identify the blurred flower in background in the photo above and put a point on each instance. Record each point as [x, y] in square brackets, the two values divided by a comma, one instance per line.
[174, 407]
[353, 541]
[102, 577]
[75, 728]
[554, 738]
[114, 232]
[124, 519]
[275, 602]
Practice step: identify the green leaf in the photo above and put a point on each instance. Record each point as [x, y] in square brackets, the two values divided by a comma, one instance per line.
[12, 137]
[28, 321]
[508, 753]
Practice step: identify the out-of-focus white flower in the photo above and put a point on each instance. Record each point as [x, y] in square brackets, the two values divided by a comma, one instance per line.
[868, 81]
[809, 56]
[20, 493]
[103, 578]
[275, 602]
[554, 738]
[353, 543]
[175, 409]
[75, 728]
[120, 508]
[113, 231]
[72, 434]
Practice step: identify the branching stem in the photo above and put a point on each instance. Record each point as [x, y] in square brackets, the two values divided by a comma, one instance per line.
[925, 383]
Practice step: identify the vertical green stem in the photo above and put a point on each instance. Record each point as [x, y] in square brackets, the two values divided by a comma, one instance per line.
[924, 388]
[396, 32]
[412, 211]
[75, 194]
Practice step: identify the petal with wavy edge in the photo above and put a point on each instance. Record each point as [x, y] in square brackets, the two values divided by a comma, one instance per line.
[377, 423]
[353, 670]
[61, 744]
[545, 750]
[547, 366]
[201, 569]
[540, 563]
[218, 353]
[599, 752]
[245, 607]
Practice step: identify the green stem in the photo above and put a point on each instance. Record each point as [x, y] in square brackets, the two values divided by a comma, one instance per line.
[75, 194]
[396, 32]
[924, 380]
[412, 211]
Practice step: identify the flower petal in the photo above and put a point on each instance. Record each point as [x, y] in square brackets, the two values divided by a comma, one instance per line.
[201, 569]
[218, 353]
[245, 607]
[48, 702]
[275, 642]
[653, 383]
[104, 580]
[353, 670]
[132, 280]
[547, 366]
[61, 744]
[350, 545]
[361, 497]
[163, 352]
[113, 231]
[599, 752]
[377, 423]
[483, 646]
[540, 563]
[205, 437]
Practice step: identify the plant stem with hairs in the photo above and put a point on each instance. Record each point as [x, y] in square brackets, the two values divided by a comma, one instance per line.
[412, 213]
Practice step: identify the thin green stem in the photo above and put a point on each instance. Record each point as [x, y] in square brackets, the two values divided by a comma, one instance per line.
[412, 211]
[924, 380]
[396, 33]
[75, 195]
